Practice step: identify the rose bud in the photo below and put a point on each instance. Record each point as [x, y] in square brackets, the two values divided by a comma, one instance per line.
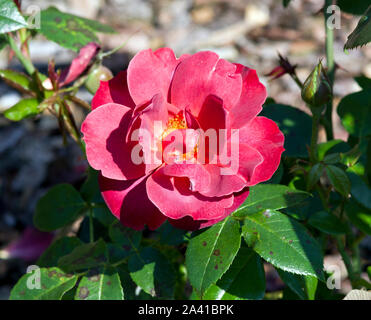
[316, 88]
[284, 67]
[276, 73]
[78, 66]
[98, 74]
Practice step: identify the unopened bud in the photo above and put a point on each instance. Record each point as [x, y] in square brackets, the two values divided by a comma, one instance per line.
[316, 89]
[100, 73]
[284, 67]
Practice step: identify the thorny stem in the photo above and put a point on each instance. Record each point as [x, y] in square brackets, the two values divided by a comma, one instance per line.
[27, 64]
[327, 122]
[71, 124]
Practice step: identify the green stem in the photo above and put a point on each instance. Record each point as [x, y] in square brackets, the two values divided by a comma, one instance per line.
[357, 266]
[120, 262]
[297, 80]
[322, 196]
[314, 139]
[91, 225]
[330, 68]
[358, 239]
[346, 259]
[71, 124]
[357, 260]
[27, 64]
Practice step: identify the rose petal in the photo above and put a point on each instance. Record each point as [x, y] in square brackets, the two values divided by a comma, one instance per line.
[250, 102]
[212, 114]
[104, 132]
[213, 126]
[234, 175]
[153, 119]
[206, 179]
[187, 223]
[79, 64]
[129, 202]
[263, 135]
[114, 90]
[150, 73]
[175, 199]
[201, 75]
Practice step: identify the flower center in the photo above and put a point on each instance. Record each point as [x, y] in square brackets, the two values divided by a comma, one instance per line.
[176, 123]
[178, 142]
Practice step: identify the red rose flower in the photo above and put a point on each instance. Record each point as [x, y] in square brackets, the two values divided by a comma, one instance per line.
[179, 139]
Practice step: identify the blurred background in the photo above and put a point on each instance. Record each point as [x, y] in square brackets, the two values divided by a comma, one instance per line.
[32, 154]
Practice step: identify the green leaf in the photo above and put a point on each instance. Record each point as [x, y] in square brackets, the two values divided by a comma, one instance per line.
[53, 284]
[104, 215]
[18, 80]
[100, 284]
[130, 288]
[210, 253]
[356, 7]
[338, 179]
[295, 125]
[90, 192]
[360, 191]
[70, 294]
[68, 30]
[306, 208]
[304, 286]
[332, 158]
[363, 82]
[284, 242]
[270, 196]
[116, 253]
[245, 279]
[171, 235]
[10, 17]
[354, 111]
[127, 238]
[90, 188]
[361, 35]
[327, 223]
[324, 147]
[23, 109]
[359, 216]
[85, 256]
[58, 249]
[152, 272]
[315, 174]
[60, 206]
